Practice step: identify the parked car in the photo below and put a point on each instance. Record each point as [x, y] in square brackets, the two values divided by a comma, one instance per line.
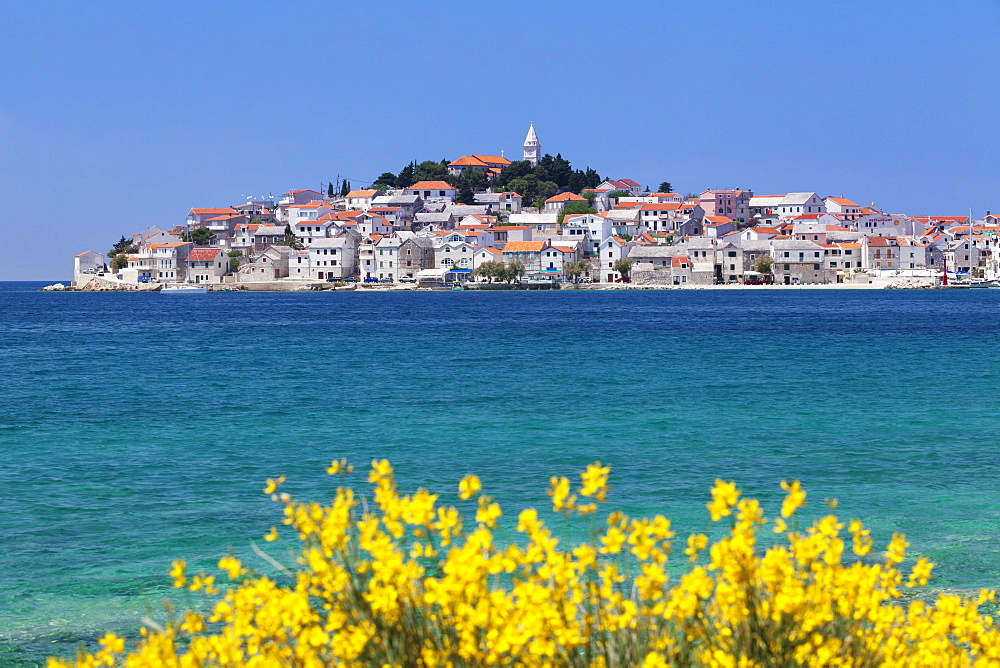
[371, 279]
[407, 279]
[351, 279]
[333, 279]
[145, 279]
[385, 280]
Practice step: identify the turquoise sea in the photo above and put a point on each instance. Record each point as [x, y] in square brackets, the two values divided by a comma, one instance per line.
[138, 428]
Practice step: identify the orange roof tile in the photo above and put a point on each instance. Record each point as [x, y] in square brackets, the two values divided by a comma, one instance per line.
[431, 185]
[213, 211]
[566, 197]
[524, 246]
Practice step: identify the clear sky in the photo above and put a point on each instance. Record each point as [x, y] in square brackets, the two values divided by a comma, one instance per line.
[116, 116]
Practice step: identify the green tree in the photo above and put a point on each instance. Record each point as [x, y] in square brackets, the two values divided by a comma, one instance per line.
[512, 271]
[290, 239]
[665, 187]
[405, 177]
[345, 187]
[119, 262]
[623, 266]
[234, 264]
[575, 208]
[574, 270]
[465, 193]
[122, 246]
[764, 264]
[388, 179]
[625, 237]
[557, 170]
[235, 253]
[489, 270]
[329, 189]
[429, 170]
[513, 171]
[619, 193]
[201, 236]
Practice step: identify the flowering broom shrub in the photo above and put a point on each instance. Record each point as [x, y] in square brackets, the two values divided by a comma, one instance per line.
[399, 580]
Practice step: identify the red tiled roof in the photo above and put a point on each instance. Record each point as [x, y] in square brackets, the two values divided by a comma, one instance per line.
[431, 185]
[566, 197]
[203, 254]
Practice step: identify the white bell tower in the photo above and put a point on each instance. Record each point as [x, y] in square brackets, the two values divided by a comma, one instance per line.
[531, 146]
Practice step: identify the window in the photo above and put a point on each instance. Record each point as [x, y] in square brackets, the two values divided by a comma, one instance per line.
[786, 267]
[816, 267]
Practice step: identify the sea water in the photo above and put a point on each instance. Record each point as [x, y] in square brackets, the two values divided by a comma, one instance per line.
[136, 428]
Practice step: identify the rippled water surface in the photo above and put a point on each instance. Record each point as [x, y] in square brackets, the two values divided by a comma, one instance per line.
[137, 428]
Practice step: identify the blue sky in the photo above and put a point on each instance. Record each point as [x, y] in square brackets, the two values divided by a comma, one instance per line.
[115, 116]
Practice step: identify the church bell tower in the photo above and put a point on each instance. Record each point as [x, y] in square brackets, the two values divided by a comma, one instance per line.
[531, 146]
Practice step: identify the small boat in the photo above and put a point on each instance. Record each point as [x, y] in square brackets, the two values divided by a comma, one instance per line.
[183, 288]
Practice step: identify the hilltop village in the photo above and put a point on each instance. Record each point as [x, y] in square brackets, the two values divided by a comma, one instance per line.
[471, 226]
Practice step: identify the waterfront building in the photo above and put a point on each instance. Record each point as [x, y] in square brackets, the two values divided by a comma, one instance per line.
[207, 265]
[799, 262]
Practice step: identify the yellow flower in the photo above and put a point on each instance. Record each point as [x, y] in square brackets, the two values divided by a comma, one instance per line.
[695, 543]
[469, 486]
[921, 572]
[795, 499]
[379, 570]
[232, 566]
[595, 481]
[271, 535]
[341, 466]
[112, 643]
[272, 484]
[177, 572]
[724, 497]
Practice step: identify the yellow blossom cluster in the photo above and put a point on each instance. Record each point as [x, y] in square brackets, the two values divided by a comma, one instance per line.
[400, 580]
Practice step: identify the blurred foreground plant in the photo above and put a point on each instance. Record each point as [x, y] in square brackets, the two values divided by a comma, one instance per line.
[408, 582]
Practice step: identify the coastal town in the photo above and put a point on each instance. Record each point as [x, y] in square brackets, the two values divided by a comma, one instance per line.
[484, 221]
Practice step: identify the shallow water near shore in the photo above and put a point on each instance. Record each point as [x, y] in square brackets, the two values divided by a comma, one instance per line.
[136, 428]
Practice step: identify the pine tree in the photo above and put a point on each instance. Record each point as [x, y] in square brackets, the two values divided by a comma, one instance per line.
[345, 188]
[329, 189]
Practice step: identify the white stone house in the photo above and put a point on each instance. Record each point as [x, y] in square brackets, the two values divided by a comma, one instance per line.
[207, 265]
[799, 263]
[433, 191]
[454, 254]
[488, 254]
[88, 262]
[335, 258]
[360, 200]
[842, 205]
[609, 251]
[312, 230]
[557, 203]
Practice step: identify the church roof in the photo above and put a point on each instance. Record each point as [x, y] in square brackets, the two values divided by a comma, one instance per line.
[532, 138]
